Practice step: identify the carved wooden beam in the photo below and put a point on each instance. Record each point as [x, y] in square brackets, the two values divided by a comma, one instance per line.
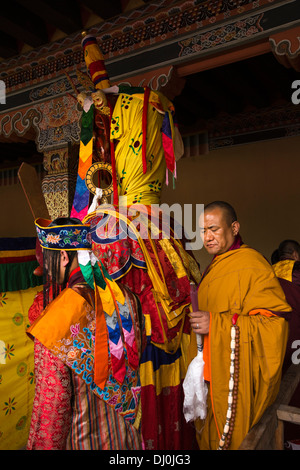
[286, 47]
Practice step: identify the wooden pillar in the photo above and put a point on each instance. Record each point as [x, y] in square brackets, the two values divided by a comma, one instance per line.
[279, 436]
[58, 185]
[58, 140]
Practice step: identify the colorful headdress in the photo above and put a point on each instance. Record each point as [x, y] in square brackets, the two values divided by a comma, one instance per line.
[109, 298]
[63, 237]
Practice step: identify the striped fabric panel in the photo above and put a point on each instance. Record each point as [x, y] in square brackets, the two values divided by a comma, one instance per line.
[17, 263]
[96, 426]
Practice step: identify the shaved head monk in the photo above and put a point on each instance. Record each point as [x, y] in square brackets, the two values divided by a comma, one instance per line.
[244, 338]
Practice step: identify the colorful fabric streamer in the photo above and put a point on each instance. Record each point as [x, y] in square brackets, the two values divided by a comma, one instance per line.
[82, 194]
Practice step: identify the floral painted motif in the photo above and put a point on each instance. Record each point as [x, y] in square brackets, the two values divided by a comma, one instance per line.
[63, 238]
[75, 329]
[3, 299]
[9, 351]
[10, 406]
[54, 239]
[31, 378]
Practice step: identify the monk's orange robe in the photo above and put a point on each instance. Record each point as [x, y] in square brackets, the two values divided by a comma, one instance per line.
[241, 282]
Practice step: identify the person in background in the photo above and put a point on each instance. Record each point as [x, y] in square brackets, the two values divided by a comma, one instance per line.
[287, 263]
[244, 338]
[287, 269]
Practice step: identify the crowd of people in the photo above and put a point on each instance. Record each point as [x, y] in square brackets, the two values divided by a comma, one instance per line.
[248, 317]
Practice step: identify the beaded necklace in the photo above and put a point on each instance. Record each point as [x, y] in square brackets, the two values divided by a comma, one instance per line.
[224, 442]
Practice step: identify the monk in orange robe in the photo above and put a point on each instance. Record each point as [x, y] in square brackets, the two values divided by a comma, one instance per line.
[238, 287]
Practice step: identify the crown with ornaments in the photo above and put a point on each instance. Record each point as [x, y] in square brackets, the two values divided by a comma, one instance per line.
[54, 236]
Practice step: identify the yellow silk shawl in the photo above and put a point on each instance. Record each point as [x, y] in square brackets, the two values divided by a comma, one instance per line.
[242, 282]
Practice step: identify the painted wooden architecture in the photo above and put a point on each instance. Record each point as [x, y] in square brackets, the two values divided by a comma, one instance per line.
[159, 44]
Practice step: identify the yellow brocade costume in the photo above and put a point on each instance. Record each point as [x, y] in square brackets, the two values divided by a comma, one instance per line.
[127, 129]
[241, 282]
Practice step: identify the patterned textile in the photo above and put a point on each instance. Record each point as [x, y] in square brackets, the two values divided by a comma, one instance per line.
[18, 286]
[167, 277]
[82, 194]
[71, 342]
[67, 329]
[163, 289]
[62, 237]
[16, 368]
[51, 413]
[162, 373]
[128, 115]
[111, 245]
[96, 425]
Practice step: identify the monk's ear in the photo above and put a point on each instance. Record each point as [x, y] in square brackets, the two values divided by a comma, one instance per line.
[64, 258]
[235, 228]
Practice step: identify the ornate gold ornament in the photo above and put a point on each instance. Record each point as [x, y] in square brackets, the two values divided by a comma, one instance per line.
[89, 178]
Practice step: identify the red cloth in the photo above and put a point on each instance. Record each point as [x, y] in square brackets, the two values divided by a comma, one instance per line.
[36, 308]
[292, 293]
[51, 412]
[165, 423]
[296, 273]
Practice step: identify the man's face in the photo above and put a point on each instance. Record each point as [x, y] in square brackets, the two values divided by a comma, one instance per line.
[216, 234]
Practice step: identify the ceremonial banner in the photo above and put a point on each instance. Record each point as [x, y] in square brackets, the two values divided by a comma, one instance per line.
[82, 194]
